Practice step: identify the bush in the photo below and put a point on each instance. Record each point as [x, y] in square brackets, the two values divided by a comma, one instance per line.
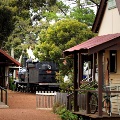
[67, 115]
[56, 107]
[63, 112]
[11, 84]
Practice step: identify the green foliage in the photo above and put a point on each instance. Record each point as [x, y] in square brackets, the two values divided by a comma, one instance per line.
[19, 33]
[11, 85]
[65, 86]
[89, 85]
[56, 106]
[6, 23]
[56, 38]
[63, 112]
[67, 115]
[84, 15]
[16, 25]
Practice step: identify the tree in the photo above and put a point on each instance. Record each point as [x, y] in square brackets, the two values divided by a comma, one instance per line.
[17, 29]
[83, 15]
[62, 35]
[6, 23]
[22, 32]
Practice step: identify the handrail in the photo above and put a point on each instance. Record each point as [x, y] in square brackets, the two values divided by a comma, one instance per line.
[5, 90]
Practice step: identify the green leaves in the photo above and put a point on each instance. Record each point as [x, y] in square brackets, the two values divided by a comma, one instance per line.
[58, 37]
[84, 15]
[6, 23]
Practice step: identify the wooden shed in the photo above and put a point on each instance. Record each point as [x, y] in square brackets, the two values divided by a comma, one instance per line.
[5, 62]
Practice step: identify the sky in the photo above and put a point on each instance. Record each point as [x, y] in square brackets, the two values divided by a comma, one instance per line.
[72, 4]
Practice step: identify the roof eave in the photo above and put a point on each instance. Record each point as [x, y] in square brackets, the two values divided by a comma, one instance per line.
[13, 61]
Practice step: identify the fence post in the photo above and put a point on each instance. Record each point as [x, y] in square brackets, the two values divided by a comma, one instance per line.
[88, 101]
[1, 95]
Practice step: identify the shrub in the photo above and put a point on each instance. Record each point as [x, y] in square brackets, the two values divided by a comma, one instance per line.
[11, 84]
[67, 115]
[63, 112]
[55, 107]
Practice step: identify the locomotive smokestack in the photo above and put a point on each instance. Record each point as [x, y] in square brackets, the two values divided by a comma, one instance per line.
[24, 61]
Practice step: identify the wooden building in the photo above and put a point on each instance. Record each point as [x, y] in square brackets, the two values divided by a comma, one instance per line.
[103, 52]
[6, 61]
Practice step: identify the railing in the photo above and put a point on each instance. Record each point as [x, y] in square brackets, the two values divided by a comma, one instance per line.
[81, 101]
[84, 100]
[3, 95]
[85, 85]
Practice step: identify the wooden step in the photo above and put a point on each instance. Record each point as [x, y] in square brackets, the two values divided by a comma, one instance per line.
[3, 105]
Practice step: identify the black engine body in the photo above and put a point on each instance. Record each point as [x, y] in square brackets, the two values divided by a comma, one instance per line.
[37, 75]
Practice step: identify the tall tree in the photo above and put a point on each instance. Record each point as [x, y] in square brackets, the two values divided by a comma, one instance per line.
[23, 32]
[17, 28]
[60, 36]
[6, 23]
[84, 15]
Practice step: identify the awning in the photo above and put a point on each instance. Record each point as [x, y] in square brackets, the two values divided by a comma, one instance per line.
[7, 59]
[95, 44]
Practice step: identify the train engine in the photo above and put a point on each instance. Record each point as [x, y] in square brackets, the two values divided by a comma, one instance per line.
[38, 76]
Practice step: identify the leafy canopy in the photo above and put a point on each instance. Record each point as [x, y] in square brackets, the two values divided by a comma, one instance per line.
[62, 35]
[84, 15]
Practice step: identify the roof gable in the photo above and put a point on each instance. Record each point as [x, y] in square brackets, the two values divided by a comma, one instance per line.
[100, 14]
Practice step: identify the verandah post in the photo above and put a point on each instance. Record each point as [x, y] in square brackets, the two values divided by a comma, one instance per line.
[75, 63]
[100, 76]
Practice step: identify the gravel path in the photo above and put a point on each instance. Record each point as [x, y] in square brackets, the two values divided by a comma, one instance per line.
[22, 106]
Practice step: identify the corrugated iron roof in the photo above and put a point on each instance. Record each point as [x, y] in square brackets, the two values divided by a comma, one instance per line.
[6, 57]
[93, 42]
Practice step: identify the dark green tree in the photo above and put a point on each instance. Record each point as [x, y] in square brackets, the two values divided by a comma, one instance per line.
[62, 35]
[6, 24]
[84, 15]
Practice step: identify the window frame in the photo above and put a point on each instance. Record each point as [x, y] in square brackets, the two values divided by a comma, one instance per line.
[113, 61]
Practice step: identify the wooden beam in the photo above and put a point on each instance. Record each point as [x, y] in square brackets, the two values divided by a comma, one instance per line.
[80, 69]
[75, 82]
[94, 65]
[100, 77]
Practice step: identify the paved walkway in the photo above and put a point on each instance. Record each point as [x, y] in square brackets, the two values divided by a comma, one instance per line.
[22, 106]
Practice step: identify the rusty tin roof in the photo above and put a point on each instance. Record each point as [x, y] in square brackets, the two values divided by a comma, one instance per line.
[5, 58]
[96, 44]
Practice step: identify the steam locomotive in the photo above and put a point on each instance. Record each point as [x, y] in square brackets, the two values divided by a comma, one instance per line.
[37, 76]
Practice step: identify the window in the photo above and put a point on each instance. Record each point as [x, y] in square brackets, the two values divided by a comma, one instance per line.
[111, 4]
[113, 61]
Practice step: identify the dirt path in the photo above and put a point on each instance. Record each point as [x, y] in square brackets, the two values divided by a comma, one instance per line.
[22, 106]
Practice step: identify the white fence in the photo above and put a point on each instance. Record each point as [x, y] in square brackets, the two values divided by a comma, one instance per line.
[45, 100]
